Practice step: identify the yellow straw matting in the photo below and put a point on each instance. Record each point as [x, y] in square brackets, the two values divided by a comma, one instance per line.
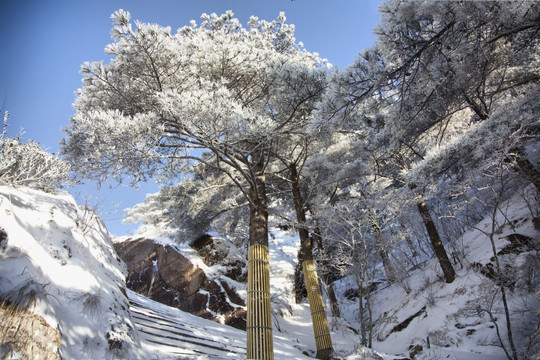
[259, 319]
[318, 316]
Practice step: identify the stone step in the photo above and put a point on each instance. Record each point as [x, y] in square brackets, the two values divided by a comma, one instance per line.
[161, 331]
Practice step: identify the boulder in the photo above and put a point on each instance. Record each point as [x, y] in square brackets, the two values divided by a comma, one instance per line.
[214, 251]
[163, 274]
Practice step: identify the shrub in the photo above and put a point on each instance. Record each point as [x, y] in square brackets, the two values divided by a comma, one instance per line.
[27, 164]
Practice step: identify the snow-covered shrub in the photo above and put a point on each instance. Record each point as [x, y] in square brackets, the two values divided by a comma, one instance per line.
[27, 164]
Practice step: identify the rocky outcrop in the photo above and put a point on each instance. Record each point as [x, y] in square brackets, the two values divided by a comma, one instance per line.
[216, 251]
[26, 335]
[163, 274]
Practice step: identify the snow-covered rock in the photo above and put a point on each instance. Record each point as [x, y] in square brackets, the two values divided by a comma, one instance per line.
[162, 273]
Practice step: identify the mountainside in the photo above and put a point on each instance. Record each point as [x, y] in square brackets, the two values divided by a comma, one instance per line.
[59, 267]
[460, 320]
[63, 293]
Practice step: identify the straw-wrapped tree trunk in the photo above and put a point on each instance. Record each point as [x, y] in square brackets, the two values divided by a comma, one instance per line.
[321, 330]
[259, 320]
[325, 272]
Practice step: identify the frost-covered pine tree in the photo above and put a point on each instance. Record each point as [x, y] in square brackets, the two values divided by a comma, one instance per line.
[434, 60]
[291, 157]
[460, 78]
[215, 86]
[444, 56]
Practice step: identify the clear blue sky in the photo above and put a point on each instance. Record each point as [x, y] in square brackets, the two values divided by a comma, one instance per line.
[44, 42]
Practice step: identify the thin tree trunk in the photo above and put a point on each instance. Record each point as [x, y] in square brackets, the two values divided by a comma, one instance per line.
[436, 243]
[388, 268]
[318, 316]
[503, 290]
[259, 316]
[363, 327]
[370, 320]
[387, 264]
[508, 324]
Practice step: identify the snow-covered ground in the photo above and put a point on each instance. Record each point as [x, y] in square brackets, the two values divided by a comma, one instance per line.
[452, 322]
[63, 255]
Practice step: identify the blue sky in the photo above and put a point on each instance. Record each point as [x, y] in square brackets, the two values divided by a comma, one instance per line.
[44, 42]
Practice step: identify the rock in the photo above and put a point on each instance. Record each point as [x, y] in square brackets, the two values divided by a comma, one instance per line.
[237, 319]
[232, 294]
[27, 335]
[518, 243]
[536, 222]
[414, 350]
[220, 251]
[163, 274]
[3, 239]
[402, 325]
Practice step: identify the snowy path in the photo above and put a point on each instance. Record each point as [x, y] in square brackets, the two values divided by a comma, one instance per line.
[169, 333]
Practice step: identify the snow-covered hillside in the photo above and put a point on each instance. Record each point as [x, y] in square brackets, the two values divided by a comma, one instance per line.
[423, 310]
[57, 261]
[452, 320]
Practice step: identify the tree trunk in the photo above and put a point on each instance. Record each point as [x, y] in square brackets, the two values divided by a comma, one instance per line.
[326, 274]
[388, 268]
[503, 290]
[318, 315]
[363, 328]
[300, 292]
[259, 316]
[436, 243]
[370, 320]
[387, 264]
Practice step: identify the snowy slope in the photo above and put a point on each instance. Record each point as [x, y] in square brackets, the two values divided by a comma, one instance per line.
[59, 263]
[168, 333]
[61, 255]
[445, 318]
[444, 309]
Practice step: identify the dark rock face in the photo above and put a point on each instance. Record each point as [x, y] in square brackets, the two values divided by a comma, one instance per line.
[163, 274]
[215, 251]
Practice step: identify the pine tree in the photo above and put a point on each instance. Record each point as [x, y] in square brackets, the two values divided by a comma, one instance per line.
[215, 86]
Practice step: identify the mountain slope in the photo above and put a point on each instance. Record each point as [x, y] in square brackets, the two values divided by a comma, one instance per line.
[57, 261]
[460, 320]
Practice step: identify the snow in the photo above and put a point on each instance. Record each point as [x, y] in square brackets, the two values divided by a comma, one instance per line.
[65, 254]
[72, 266]
[453, 332]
